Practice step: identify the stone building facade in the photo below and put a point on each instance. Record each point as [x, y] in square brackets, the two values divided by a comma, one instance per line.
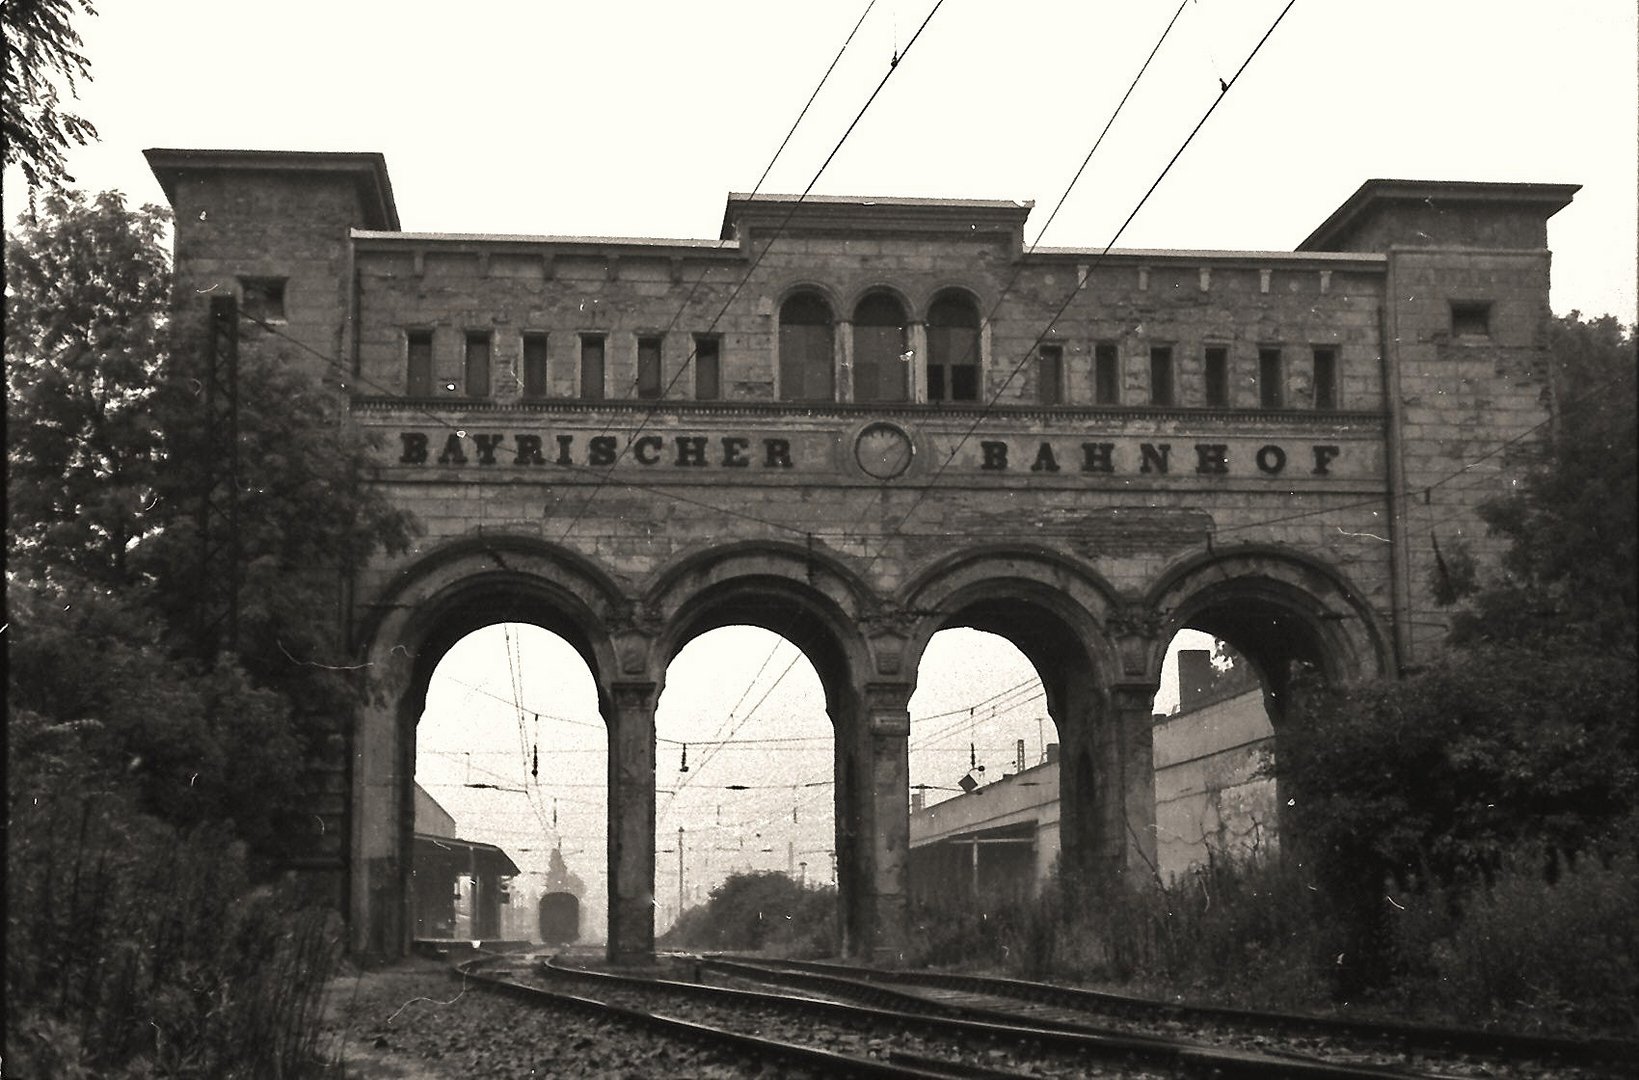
[858, 421]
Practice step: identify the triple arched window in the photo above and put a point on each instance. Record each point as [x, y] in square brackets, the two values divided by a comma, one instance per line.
[884, 365]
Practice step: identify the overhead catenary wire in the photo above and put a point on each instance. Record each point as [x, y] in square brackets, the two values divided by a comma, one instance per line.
[1070, 296]
[758, 259]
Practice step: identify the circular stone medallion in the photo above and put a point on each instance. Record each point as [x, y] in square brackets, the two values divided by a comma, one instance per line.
[883, 450]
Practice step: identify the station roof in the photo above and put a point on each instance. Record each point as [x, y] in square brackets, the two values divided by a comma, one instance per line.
[1545, 199]
[444, 856]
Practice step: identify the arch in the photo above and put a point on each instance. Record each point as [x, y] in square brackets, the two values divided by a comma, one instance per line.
[804, 595]
[881, 329]
[1054, 611]
[464, 585]
[807, 359]
[954, 363]
[1276, 606]
[977, 579]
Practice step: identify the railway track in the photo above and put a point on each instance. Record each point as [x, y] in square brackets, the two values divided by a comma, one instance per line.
[837, 1034]
[1401, 1046]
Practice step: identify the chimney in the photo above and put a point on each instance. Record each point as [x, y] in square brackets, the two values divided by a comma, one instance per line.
[1195, 676]
[1052, 753]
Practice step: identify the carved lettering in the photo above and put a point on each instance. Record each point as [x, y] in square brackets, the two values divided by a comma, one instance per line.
[453, 454]
[691, 450]
[415, 448]
[646, 451]
[529, 450]
[776, 453]
[734, 448]
[1045, 461]
[564, 444]
[1153, 458]
[1097, 457]
[486, 447]
[1271, 459]
[600, 450]
[1211, 459]
[995, 455]
[1324, 456]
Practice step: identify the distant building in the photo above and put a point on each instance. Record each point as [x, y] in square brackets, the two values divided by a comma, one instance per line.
[1209, 797]
[457, 887]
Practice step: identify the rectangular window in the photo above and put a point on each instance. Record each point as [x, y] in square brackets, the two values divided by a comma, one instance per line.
[1217, 377]
[1106, 374]
[420, 353]
[534, 366]
[477, 365]
[649, 375]
[263, 298]
[1161, 375]
[1325, 378]
[1050, 375]
[708, 375]
[591, 367]
[1271, 383]
[1470, 319]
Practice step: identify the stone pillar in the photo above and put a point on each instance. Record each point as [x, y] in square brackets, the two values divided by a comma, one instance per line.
[843, 344]
[631, 821]
[383, 751]
[916, 382]
[1132, 741]
[883, 795]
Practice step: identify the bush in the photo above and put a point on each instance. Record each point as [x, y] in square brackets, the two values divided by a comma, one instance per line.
[1527, 953]
[765, 910]
[136, 949]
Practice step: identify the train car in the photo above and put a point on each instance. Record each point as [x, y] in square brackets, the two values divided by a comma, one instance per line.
[560, 918]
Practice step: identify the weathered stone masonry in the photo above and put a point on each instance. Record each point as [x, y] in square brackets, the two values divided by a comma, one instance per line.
[870, 444]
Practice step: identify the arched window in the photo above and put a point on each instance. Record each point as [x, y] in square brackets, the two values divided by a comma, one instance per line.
[953, 349]
[880, 371]
[806, 368]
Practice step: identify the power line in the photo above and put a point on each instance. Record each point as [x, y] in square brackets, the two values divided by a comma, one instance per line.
[1080, 284]
[758, 259]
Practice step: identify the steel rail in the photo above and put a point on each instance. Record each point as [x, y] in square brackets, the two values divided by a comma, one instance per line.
[1156, 1051]
[826, 1062]
[1590, 1051]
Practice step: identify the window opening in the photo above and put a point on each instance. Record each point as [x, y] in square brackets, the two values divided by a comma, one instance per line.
[953, 350]
[649, 383]
[1050, 375]
[1106, 374]
[263, 298]
[1326, 378]
[807, 370]
[534, 366]
[1470, 319]
[1217, 377]
[591, 367]
[1271, 392]
[477, 365]
[1161, 375]
[708, 379]
[880, 368]
[419, 380]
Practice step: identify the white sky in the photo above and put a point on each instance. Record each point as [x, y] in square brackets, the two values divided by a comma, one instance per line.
[636, 119]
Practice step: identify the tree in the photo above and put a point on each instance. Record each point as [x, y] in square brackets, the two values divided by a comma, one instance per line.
[1522, 737]
[87, 284]
[41, 48]
[105, 435]
[1568, 579]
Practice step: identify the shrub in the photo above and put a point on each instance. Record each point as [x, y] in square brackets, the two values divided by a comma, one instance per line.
[1529, 953]
[136, 949]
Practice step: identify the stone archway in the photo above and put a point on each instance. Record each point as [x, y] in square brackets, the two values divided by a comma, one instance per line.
[406, 629]
[1056, 613]
[812, 601]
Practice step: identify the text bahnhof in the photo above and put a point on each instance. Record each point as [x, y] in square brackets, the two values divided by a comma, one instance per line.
[760, 452]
